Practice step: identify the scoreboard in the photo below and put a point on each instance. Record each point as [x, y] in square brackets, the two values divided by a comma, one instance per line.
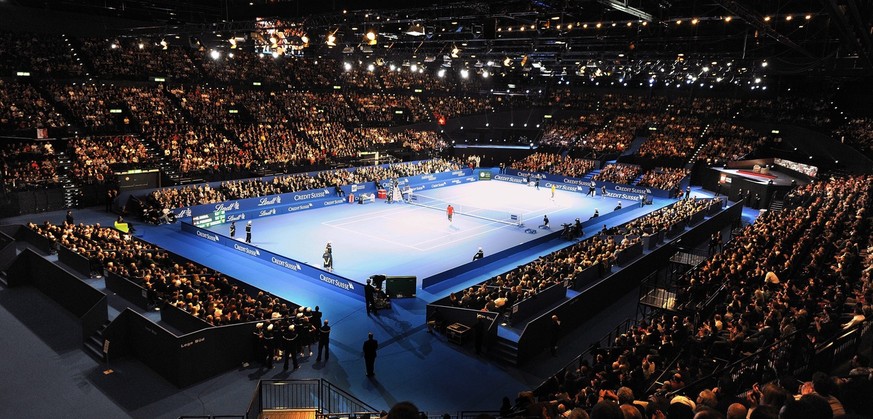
[209, 219]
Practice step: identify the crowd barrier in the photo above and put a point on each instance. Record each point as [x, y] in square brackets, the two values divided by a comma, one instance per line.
[603, 292]
[524, 309]
[180, 319]
[80, 299]
[181, 360]
[75, 261]
[127, 289]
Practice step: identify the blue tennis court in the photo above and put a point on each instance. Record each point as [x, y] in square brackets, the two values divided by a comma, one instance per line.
[405, 239]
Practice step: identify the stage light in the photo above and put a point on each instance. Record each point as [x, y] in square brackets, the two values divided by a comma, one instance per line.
[705, 69]
[441, 73]
[331, 40]
[757, 80]
[455, 52]
[808, 17]
[694, 21]
[728, 18]
[599, 25]
[230, 55]
[141, 46]
[392, 67]
[214, 54]
[465, 73]
[371, 38]
[347, 66]
[371, 67]
[164, 44]
[113, 45]
[766, 18]
[485, 74]
[788, 18]
[764, 64]
[413, 68]
[304, 39]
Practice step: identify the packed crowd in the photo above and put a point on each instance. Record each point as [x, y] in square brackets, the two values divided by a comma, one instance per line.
[97, 157]
[665, 178]
[676, 138]
[503, 291]
[451, 106]
[239, 189]
[663, 219]
[571, 131]
[89, 103]
[22, 107]
[198, 148]
[728, 142]
[130, 59]
[858, 133]
[812, 247]
[202, 292]
[554, 163]
[29, 165]
[618, 173]
[40, 54]
[382, 107]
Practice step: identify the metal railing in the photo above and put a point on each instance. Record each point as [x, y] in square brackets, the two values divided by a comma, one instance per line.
[319, 394]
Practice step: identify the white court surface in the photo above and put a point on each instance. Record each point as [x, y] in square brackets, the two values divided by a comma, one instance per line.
[404, 239]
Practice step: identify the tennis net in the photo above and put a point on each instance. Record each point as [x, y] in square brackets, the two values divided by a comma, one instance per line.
[505, 217]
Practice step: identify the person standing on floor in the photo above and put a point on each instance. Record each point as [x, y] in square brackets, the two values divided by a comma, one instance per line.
[328, 257]
[450, 211]
[369, 301]
[232, 229]
[289, 339]
[249, 232]
[555, 334]
[324, 341]
[370, 347]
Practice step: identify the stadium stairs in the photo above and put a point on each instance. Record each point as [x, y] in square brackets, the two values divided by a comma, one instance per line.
[590, 175]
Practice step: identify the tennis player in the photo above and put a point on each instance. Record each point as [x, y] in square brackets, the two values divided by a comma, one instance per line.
[450, 211]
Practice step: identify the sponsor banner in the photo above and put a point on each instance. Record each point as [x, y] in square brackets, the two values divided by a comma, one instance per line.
[290, 202]
[328, 279]
[613, 190]
[623, 192]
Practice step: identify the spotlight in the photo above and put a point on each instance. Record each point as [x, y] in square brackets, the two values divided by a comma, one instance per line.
[694, 21]
[728, 18]
[141, 46]
[347, 66]
[766, 18]
[214, 54]
[331, 40]
[465, 73]
[441, 73]
[485, 74]
[370, 67]
[304, 39]
[413, 68]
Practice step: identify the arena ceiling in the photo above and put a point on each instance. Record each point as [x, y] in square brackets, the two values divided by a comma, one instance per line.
[790, 37]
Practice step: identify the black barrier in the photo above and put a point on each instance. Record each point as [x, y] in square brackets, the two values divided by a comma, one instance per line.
[454, 272]
[132, 334]
[213, 351]
[8, 250]
[80, 299]
[548, 297]
[182, 320]
[628, 254]
[75, 261]
[126, 289]
[535, 336]
[447, 315]
[41, 243]
[587, 276]
[181, 360]
[467, 267]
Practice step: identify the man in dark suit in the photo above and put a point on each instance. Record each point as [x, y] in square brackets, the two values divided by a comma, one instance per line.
[370, 347]
[323, 341]
[249, 232]
[289, 340]
[369, 291]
